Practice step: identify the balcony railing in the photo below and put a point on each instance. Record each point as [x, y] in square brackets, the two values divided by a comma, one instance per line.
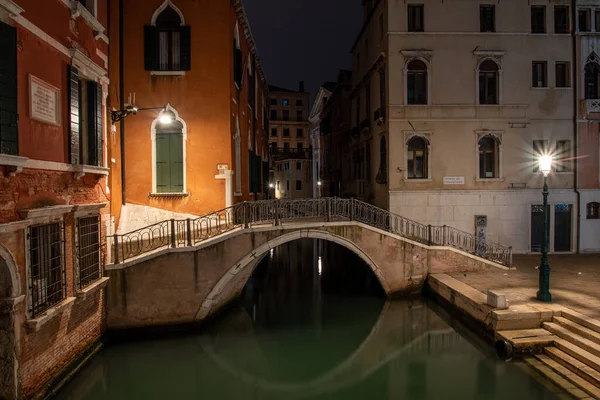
[592, 106]
[281, 153]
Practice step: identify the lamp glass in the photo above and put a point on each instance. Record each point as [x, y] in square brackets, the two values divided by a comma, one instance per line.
[271, 185]
[545, 164]
[319, 183]
[165, 118]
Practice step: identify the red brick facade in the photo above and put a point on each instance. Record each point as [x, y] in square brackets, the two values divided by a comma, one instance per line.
[58, 173]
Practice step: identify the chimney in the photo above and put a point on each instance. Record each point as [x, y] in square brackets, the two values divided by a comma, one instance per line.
[301, 87]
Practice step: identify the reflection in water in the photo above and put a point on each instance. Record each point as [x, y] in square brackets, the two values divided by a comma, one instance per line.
[312, 323]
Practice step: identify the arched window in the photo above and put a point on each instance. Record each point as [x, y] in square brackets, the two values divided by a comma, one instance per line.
[169, 155]
[381, 177]
[488, 157]
[417, 158]
[592, 71]
[488, 82]
[238, 158]
[593, 210]
[416, 83]
[167, 41]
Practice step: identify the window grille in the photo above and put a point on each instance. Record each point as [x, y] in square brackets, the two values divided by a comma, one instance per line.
[88, 250]
[47, 283]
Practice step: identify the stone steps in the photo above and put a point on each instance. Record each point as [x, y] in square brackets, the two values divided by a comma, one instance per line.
[573, 364]
[580, 330]
[559, 380]
[566, 334]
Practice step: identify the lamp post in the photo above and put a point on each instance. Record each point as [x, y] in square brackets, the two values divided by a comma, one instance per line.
[543, 294]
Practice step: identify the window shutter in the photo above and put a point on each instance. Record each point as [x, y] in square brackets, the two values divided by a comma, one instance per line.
[162, 164]
[98, 130]
[9, 139]
[186, 48]
[74, 114]
[94, 122]
[150, 48]
[238, 69]
[176, 163]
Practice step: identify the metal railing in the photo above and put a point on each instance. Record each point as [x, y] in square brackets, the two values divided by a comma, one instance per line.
[189, 232]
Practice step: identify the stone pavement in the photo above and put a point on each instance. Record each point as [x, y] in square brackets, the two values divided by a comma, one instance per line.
[574, 281]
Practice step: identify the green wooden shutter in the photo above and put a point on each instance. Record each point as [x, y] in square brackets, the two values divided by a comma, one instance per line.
[74, 114]
[9, 138]
[150, 48]
[94, 123]
[163, 177]
[176, 162]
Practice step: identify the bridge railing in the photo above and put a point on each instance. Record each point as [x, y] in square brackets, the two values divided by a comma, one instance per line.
[190, 232]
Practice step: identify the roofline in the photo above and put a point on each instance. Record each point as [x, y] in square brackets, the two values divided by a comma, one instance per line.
[242, 16]
[364, 27]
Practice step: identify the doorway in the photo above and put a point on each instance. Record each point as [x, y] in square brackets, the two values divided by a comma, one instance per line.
[562, 227]
[537, 227]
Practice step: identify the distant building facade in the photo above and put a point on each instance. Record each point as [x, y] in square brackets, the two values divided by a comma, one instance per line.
[289, 142]
[214, 152]
[53, 190]
[316, 121]
[456, 101]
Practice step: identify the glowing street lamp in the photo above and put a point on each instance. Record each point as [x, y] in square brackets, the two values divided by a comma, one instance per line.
[165, 118]
[543, 294]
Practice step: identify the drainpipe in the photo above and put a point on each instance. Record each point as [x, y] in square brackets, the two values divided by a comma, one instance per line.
[122, 101]
[575, 85]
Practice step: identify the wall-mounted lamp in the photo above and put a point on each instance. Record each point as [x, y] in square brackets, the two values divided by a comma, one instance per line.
[119, 115]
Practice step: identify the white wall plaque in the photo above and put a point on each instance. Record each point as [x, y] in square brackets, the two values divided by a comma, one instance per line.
[44, 101]
[454, 180]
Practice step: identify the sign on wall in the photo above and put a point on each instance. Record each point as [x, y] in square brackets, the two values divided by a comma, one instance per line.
[44, 101]
[454, 180]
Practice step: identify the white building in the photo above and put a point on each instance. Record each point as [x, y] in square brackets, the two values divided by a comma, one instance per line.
[457, 99]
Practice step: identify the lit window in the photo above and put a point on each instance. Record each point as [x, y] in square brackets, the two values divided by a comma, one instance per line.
[417, 158]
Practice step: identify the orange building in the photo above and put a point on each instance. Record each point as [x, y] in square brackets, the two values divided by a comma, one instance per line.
[200, 61]
[53, 193]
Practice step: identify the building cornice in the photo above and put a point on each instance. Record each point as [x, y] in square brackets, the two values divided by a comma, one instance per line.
[11, 7]
[238, 5]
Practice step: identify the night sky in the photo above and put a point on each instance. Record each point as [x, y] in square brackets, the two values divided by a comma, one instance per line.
[307, 40]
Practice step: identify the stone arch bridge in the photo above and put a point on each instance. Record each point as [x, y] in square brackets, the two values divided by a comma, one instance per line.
[182, 271]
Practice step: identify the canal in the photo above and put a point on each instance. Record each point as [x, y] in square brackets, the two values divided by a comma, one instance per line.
[312, 323]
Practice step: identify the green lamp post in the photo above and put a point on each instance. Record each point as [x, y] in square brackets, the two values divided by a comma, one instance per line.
[543, 294]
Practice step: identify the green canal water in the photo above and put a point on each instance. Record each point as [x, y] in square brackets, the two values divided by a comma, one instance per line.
[312, 323]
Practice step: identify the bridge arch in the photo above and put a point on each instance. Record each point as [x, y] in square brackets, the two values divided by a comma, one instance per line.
[233, 281]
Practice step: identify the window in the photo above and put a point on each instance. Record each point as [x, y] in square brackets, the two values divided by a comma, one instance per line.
[299, 132]
[563, 156]
[89, 5]
[86, 120]
[286, 147]
[540, 148]
[167, 43]
[299, 116]
[273, 132]
[488, 82]
[9, 138]
[299, 103]
[597, 20]
[300, 147]
[298, 165]
[273, 102]
[381, 28]
[417, 158]
[539, 72]
[88, 246]
[286, 115]
[287, 166]
[169, 157]
[584, 20]
[298, 185]
[237, 59]
[561, 19]
[415, 18]
[592, 70]
[538, 19]
[278, 183]
[357, 111]
[278, 167]
[562, 74]
[381, 177]
[487, 18]
[593, 210]
[286, 132]
[416, 80]
[287, 185]
[488, 157]
[274, 115]
[285, 102]
[46, 266]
